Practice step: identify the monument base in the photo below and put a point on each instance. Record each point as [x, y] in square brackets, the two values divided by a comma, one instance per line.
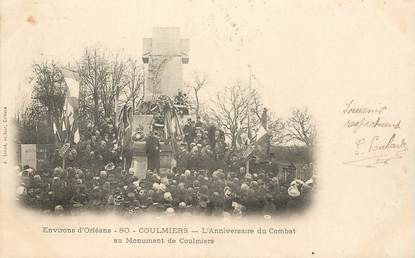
[140, 162]
[139, 159]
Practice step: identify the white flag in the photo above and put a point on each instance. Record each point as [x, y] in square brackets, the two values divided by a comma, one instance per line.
[55, 130]
[71, 102]
[76, 136]
[71, 80]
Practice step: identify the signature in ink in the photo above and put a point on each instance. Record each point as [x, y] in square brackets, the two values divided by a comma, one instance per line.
[377, 144]
[376, 160]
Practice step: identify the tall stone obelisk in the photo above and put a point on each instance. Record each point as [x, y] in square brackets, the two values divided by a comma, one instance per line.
[165, 53]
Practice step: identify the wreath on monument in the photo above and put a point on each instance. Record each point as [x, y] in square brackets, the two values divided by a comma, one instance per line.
[138, 134]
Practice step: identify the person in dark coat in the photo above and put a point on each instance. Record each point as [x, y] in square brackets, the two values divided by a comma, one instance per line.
[211, 136]
[153, 152]
[189, 132]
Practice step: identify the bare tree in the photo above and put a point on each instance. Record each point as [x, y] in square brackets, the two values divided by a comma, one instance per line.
[134, 78]
[230, 111]
[93, 70]
[276, 128]
[300, 127]
[199, 81]
[48, 92]
[256, 105]
[108, 83]
[31, 127]
[110, 91]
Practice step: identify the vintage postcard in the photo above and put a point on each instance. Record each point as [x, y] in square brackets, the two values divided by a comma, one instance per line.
[241, 128]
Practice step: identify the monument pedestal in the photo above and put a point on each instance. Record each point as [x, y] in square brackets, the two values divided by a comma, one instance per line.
[139, 158]
[165, 53]
[166, 156]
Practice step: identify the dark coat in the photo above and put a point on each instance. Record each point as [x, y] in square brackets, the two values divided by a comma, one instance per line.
[153, 152]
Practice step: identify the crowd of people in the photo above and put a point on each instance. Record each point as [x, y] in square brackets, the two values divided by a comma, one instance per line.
[98, 146]
[205, 180]
[203, 147]
[197, 191]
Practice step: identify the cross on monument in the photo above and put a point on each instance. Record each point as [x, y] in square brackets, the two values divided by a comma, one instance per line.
[164, 53]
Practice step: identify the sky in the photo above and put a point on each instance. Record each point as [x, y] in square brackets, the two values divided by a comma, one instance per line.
[288, 44]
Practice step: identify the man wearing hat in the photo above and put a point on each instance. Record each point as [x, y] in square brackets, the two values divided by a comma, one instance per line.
[153, 149]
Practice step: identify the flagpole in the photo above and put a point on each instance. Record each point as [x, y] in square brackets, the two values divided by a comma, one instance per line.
[116, 112]
[249, 103]
[249, 119]
[132, 91]
[67, 130]
[72, 82]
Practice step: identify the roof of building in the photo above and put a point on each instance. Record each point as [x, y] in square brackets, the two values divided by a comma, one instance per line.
[291, 154]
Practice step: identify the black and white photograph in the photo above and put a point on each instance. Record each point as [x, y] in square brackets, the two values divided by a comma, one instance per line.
[131, 135]
[207, 128]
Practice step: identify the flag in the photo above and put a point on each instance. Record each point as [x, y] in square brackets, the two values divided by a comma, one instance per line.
[64, 149]
[76, 136]
[243, 140]
[72, 82]
[56, 132]
[127, 123]
[70, 114]
[248, 151]
[124, 126]
[177, 129]
[260, 145]
[116, 110]
[249, 128]
[120, 127]
[63, 124]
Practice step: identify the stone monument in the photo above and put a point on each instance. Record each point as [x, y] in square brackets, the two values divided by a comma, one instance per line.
[165, 53]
